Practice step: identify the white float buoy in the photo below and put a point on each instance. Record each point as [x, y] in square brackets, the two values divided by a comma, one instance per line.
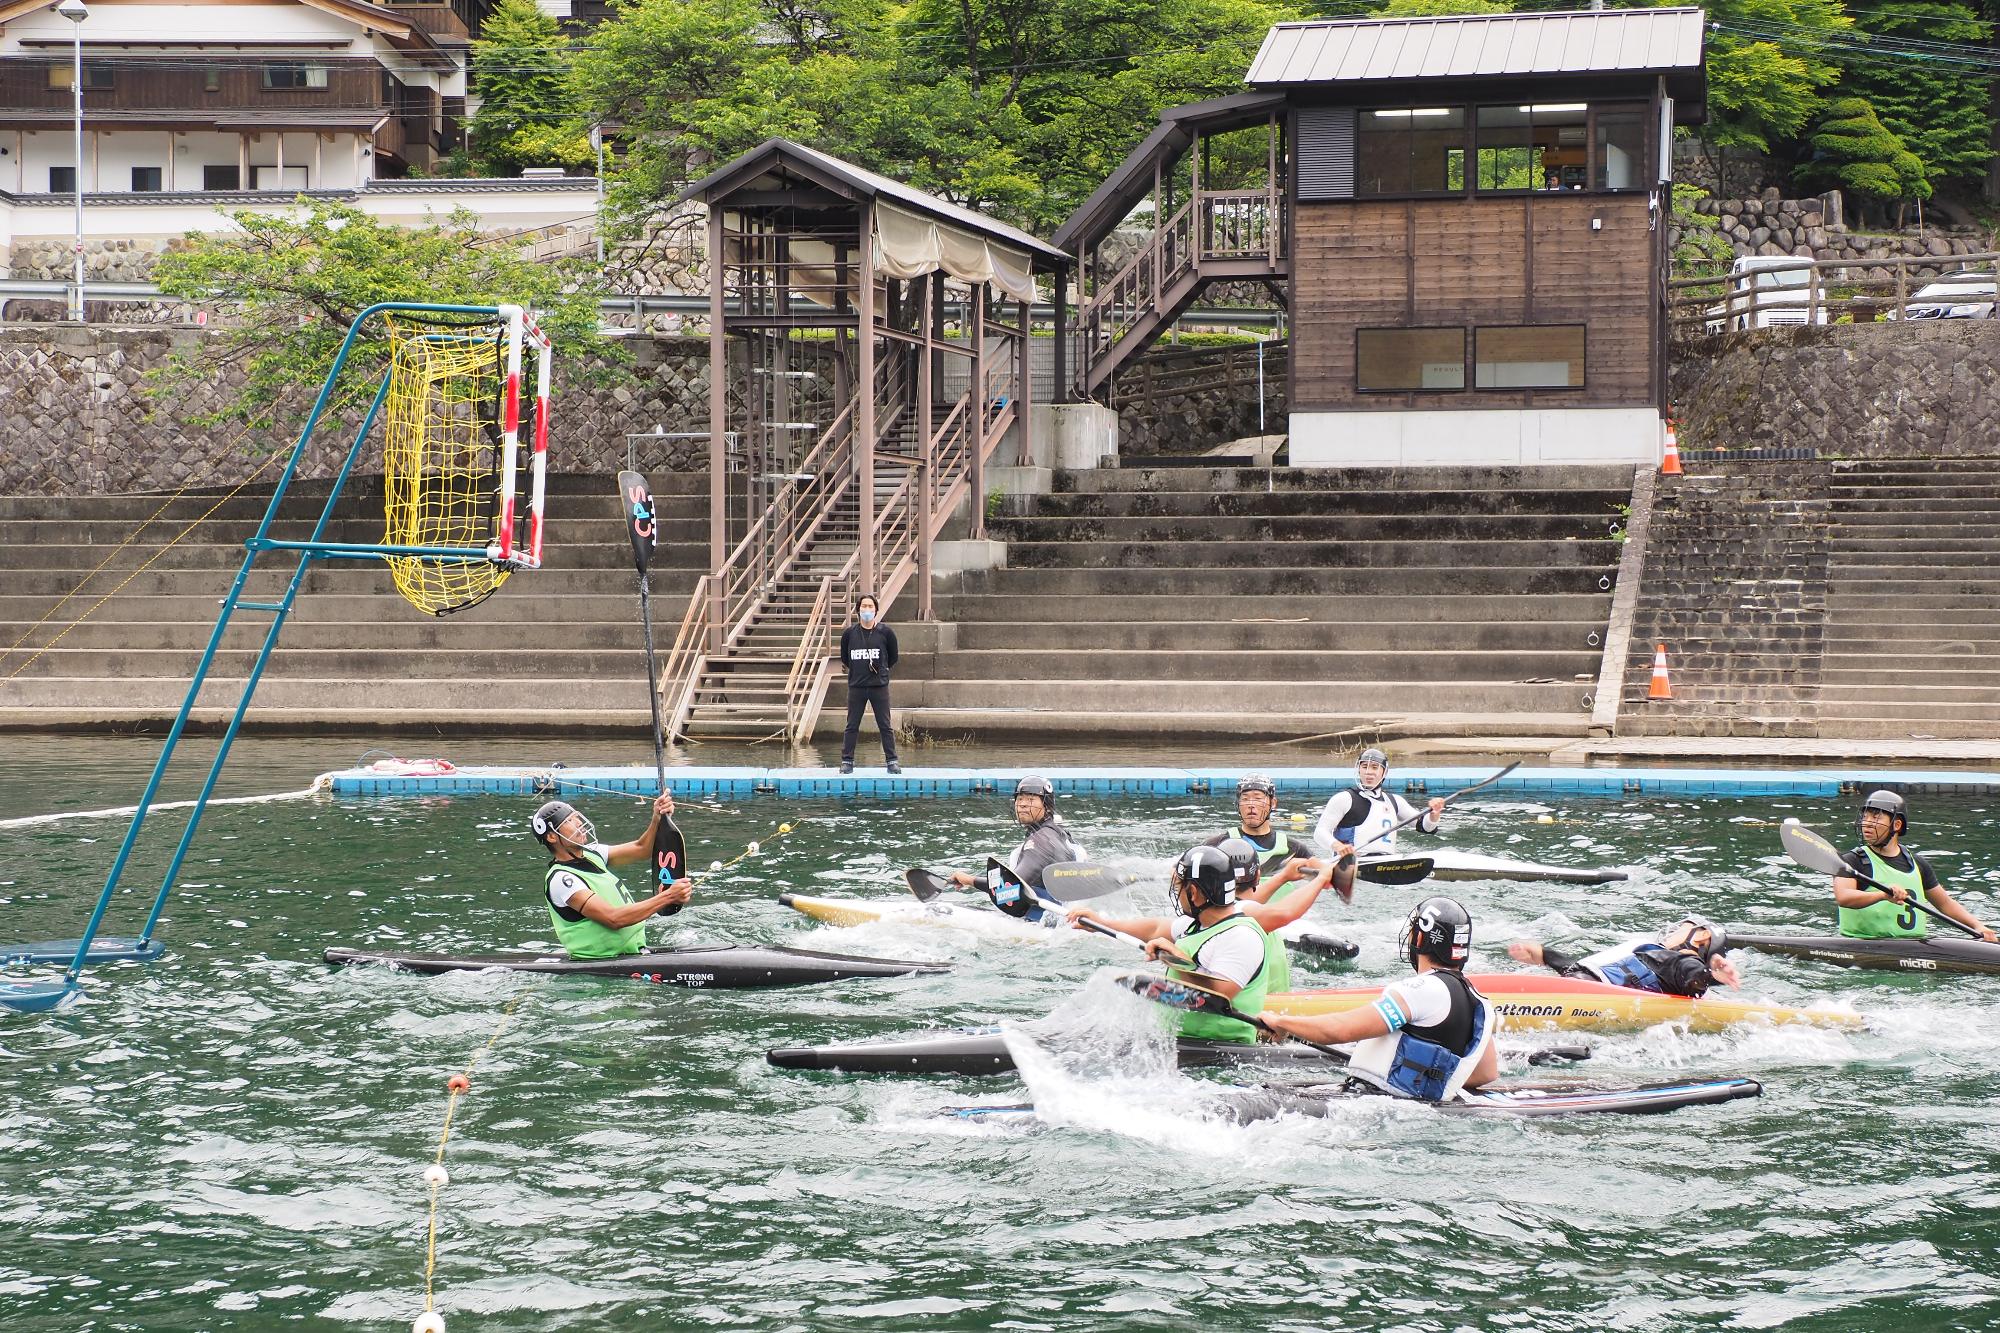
[753, 849]
[430, 1321]
[714, 866]
[436, 1175]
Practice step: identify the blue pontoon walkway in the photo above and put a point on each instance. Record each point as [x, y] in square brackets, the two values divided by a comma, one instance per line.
[793, 783]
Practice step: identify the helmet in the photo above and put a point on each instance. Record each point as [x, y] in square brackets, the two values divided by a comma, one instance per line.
[1207, 872]
[1371, 755]
[1891, 804]
[554, 814]
[1034, 785]
[1243, 863]
[1257, 782]
[1685, 928]
[1440, 930]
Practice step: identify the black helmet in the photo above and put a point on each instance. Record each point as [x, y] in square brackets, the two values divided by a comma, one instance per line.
[1257, 782]
[1891, 804]
[1035, 785]
[1440, 930]
[554, 814]
[1243, 863]
[1208, 872]
[1718, 938]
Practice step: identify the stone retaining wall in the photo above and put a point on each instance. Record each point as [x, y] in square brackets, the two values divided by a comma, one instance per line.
[1214, 410]
[1898, 389]
[1770, 225]
[1736, 574]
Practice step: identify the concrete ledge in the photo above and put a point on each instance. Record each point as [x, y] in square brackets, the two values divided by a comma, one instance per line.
[1489, 437]
[969, 555]
[1021, 480]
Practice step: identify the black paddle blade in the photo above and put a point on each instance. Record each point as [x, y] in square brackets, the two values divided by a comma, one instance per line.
[1559, 1055]
[1402, 870]
[640, 523]
[924, 884]
[1812, 851]
[1176, 994]
[1326, 946]
[1078, 881]
[669, 859]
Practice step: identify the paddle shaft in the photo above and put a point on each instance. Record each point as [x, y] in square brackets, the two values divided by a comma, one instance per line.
[638, 502]
[1912, 900]
[1462, 791]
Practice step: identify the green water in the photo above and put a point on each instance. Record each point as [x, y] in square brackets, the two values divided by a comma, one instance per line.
[234, 1138]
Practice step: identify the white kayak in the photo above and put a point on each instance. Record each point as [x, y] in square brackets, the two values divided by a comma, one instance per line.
[1451, 864]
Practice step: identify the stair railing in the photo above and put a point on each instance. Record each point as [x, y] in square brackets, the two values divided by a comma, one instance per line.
[812, 667]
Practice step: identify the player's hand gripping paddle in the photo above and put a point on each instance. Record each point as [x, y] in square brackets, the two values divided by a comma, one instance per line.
[1813, 852]
[636, 500]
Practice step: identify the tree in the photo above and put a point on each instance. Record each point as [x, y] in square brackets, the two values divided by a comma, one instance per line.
[1767, 61]
[1853, 150]
[1940, 108]
[528, 114]
[296, 282]
[1416, 9]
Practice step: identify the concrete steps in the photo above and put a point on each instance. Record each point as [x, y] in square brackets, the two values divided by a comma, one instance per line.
[1136, 600]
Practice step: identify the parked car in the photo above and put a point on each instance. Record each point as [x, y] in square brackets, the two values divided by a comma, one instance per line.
[1954, 296]
[1766, 291]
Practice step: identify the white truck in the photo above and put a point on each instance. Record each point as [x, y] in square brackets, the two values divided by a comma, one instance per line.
[1768, 291]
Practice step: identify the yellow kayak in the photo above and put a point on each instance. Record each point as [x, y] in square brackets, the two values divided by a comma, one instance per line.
[1526, 1001]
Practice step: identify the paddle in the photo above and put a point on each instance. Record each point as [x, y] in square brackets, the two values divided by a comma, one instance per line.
[1462, 791]
[1326, 946]
[925, 884]
[1193, 999]
[1182, 960]
[1063, 881]
[669, 853]
[1402, 870]
[1813, 852]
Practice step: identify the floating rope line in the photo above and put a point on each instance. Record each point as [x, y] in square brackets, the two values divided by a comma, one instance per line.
[26, 821]
[171, 543]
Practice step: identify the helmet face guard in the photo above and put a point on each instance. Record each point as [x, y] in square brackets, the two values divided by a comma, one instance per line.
[1372, 756]
[1687, 928]
[1886, 802]
[554, 815]
[1040, 788]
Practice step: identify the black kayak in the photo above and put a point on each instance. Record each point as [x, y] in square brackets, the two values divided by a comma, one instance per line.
[1934, 953]
[984, 1051]
[701, 966]
[1520, 1100]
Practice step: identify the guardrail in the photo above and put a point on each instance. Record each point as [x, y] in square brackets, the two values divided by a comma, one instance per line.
[1798, 292]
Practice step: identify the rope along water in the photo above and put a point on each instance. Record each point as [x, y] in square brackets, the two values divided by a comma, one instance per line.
[459, 1084]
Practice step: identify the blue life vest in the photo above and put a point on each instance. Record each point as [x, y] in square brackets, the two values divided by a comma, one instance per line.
[1420, 1067]
[1629, 970]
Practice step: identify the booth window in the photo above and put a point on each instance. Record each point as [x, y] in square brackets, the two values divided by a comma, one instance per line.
[1407, 150]
[1409, 360]
[1621, 147]
[1528, 356]
[1541, 146]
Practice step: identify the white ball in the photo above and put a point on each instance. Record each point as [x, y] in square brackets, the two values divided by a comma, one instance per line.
[753, 849]
[435, 1174]
[714, 866]
[430, 1321]
[1791, 819]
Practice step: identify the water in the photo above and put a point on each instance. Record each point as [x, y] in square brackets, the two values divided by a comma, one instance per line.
[234, 1138]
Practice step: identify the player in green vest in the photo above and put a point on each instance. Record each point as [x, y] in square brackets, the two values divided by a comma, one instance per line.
[592, 914]
[1210, 941]
[1870, 914]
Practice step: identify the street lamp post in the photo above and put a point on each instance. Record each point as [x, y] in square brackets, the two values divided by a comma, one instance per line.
[76, 12]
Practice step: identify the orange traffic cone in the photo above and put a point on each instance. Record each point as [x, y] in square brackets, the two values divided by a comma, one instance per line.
[1671, 466]
[1661, 688]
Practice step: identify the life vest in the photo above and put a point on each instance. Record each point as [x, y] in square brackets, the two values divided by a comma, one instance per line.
[584, 938]
[1249, 1000]
[1432, 1063]
[1887, 919]
[1383, 815]
[1626, 965]
[1074, 849]
[1268, 858]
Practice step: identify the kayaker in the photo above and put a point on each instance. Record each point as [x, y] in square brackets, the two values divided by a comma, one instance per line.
[1229, 951]
[590, 910]
[1256, 798]
[1047, 841]
[1429, 1036]
[1871, 914]
[1689, 956]
[1366, 811]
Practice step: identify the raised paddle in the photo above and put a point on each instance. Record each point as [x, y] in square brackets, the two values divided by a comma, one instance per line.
[1813, 852]
[1462, 791]
[669, 851]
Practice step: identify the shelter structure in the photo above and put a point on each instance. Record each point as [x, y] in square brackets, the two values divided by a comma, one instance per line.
[1466, 217]
[868, 354]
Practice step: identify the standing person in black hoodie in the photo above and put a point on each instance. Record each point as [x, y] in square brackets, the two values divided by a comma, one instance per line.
[868, 651]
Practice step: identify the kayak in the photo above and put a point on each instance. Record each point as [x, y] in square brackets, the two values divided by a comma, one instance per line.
[702, 966]
[902, 911]
[103, 949]
[1526, 1000]
[1939, 953]
[1450, 864]
[984, 1051]
[1519, 1100]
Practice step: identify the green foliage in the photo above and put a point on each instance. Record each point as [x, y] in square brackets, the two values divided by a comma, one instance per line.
[297, 281]
[1761, 93]
[1416, 9]
[1702, 247]
[1855, 151]
[528, 114]
[1938, 108]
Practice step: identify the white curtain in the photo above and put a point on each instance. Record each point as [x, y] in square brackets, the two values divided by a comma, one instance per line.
[909, 245]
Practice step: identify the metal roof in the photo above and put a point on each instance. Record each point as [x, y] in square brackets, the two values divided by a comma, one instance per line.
[1479, 46]
[783, 155]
